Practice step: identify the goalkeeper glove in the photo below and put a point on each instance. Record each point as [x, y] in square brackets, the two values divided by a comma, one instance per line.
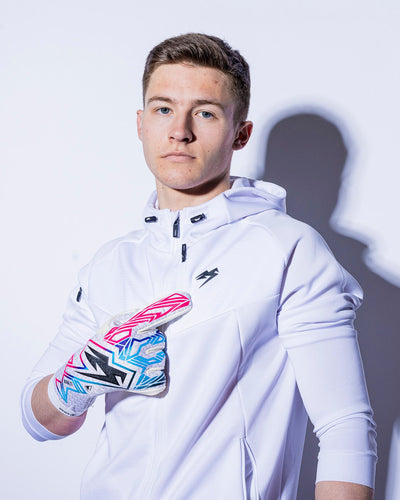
[128, 353]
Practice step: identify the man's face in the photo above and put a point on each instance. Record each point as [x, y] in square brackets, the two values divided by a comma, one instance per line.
[187, 128]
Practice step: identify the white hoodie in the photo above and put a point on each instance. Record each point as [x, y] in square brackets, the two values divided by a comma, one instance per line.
[270, 336]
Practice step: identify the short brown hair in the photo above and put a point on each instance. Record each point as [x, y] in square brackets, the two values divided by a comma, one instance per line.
[204, 50]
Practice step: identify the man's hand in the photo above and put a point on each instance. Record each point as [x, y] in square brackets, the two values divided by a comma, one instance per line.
[128, 353]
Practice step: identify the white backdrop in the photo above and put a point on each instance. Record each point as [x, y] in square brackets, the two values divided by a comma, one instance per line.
[73, 176]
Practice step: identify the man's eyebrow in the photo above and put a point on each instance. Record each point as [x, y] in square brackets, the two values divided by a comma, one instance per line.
[202, 102]
[160, 98]
[196, 102]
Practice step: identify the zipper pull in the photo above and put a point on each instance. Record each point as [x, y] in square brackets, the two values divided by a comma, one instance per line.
[175, 228]
[184, 252]
[176, 234]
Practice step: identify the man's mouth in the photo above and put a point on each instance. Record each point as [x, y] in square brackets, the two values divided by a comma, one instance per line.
[178, 156]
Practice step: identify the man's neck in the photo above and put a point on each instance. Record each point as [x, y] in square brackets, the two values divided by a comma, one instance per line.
[175, 200]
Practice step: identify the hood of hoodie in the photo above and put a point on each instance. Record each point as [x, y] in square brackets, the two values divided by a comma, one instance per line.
[246, 197]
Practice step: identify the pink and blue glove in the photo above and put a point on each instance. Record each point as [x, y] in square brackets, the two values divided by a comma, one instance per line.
[128, 353]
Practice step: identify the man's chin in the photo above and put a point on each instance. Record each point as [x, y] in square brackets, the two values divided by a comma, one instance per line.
[198, 188]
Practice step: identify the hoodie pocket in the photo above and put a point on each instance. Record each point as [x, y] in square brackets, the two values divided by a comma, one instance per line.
[249, 472]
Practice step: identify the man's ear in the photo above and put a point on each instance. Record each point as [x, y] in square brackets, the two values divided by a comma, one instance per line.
[139, 121]
[242, 135]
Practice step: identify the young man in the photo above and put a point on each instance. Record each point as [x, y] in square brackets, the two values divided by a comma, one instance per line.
[256, 319]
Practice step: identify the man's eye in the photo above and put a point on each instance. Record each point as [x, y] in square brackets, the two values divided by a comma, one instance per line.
[206, 114]
[163, 110]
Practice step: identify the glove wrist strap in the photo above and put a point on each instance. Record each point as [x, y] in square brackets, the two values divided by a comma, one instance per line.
[67, 402]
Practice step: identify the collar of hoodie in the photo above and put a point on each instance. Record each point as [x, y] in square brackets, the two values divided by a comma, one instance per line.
[245, 197]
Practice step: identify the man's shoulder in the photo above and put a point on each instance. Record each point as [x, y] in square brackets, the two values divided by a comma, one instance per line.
[289, 235]
[283, 226]
[118, 244]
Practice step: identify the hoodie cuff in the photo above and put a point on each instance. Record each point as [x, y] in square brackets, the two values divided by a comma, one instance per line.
[31, 424]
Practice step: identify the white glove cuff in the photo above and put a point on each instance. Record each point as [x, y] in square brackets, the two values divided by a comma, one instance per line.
[77, 403]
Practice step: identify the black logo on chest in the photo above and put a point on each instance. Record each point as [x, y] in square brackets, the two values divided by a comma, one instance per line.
[207, 275]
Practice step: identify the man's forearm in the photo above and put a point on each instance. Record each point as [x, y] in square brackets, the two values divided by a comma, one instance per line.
[49, 416]
[337, 490]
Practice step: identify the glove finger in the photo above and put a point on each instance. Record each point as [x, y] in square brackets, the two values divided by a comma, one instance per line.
[115, 321]
[153, 356]
[162, 311]
[154, 349]
[145, 352]
[151, 384]
[150, 339]
[158, 313]
[156, 369]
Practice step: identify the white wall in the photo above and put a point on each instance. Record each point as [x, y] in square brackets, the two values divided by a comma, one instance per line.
[72, 173]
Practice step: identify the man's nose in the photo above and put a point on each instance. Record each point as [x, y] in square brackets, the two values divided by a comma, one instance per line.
[181, 129]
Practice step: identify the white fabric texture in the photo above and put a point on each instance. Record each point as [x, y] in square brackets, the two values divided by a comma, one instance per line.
[270, 336]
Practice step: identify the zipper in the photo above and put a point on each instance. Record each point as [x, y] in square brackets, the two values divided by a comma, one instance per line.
[176, 233]
[176, 229]
[175, 272]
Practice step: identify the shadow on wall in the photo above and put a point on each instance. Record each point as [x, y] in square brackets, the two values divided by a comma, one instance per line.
[306, 154]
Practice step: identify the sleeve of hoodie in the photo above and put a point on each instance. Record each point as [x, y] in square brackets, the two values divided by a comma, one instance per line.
[315, 322]
[77, 327]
